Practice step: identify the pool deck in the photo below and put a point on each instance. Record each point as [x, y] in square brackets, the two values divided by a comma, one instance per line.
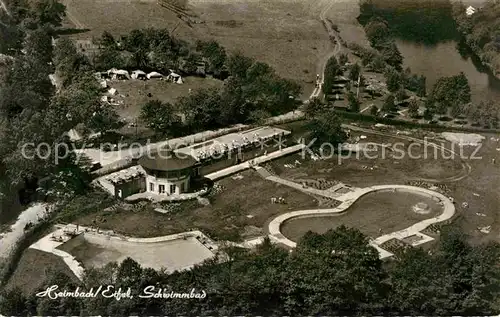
[349, 198]
[258, 160]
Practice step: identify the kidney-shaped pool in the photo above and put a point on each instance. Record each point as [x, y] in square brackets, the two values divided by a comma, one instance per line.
[374, 214]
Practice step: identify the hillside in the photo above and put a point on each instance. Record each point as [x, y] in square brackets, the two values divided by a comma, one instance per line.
[482, 32]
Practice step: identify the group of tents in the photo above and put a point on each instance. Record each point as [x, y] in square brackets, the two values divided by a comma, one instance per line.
[139, 74]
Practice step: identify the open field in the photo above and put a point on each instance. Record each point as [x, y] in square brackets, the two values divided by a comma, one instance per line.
[480, 190]
[136, 92]
[120, 16]
[374, 214]
[286, 34]
[240, 210]
[34, 268]
[371, 168]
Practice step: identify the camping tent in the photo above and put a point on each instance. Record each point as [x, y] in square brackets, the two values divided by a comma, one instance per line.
[138, 74]
[154, 75]
[118, 73]
[112, 91]
[179, 80]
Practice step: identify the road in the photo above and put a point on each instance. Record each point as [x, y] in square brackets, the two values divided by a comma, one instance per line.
[336, 50]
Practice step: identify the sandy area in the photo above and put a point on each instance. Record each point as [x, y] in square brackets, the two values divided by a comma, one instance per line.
[462, 139]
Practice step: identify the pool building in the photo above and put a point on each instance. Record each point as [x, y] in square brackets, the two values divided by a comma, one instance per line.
[170, 171]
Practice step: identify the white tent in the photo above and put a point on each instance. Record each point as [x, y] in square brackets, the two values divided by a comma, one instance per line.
[137, 74]
[154, 75]
[103, 83]
[470, 10]
[116, 73]
[179, 81]
[112, 91]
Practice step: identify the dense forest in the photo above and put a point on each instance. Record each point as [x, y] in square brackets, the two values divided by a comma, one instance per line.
[336, 273]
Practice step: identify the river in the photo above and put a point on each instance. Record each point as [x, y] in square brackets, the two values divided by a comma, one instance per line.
[444, 59]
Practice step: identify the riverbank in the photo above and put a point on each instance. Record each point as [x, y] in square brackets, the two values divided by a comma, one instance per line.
[479, 32]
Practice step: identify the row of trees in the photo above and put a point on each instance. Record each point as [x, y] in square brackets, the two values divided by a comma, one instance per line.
[155, 49]
[399, 81]
[252, 93]
[336, 273]
[451, 92]
[381, 39]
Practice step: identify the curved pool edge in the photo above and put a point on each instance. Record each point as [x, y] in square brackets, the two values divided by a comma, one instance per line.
[350, 198]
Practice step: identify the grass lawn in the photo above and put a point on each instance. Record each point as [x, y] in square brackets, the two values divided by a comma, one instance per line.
[241, 210]
[375, 168]
[34, 268]
[136, 92]
[286, 34]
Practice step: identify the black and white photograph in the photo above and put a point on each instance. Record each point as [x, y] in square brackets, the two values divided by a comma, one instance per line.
[249, 158]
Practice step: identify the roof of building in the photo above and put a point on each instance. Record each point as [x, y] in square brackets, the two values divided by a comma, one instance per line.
[125, 175]
[227, 142]
[166, 160]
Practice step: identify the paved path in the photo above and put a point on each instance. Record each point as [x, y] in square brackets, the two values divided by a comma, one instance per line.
[48, 244]
[349, 198]
[33, 214]
[329, 193]
[324, 60]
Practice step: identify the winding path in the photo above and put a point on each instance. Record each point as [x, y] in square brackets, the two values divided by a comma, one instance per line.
[324, 60]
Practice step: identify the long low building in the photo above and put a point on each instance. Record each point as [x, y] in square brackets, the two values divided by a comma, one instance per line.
[174, 171]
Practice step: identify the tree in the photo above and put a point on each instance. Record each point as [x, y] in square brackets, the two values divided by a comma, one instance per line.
[354, 103]
[13, 303]
[313, 108]
[68, 61]
[160, 117]
[46, 12]
[332, 70]
[238, 65]
[215, 53]
[391, 55]
[448, 91]
[393, 79]
[377, 32]
[107, 41]
[326, 129]
[413, 108]
[202, 109]
[354, 72]
[343, 59]
[401, 94]
[428, 113]
[38, 45]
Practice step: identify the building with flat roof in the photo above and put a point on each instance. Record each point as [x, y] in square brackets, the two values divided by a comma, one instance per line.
[167, 173]
[172, 171]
